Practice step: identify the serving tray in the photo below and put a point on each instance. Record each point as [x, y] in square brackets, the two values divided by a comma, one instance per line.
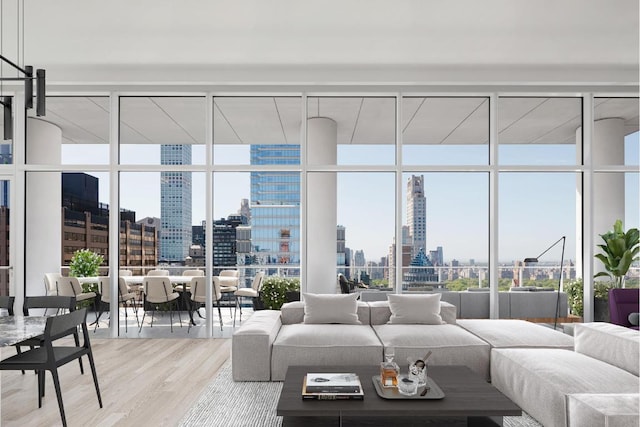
[434, 392]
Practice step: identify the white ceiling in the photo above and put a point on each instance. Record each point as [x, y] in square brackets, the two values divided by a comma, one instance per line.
[351, 45]
[330, 41]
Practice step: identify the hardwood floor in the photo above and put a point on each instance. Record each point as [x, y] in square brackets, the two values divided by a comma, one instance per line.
[144, 382]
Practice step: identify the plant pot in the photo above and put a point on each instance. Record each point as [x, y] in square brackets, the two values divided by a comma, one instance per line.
[601, 310]
[292, 296]
[258, 304]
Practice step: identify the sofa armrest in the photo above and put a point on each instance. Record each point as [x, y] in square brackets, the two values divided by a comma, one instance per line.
[251, 346]
[613, 344]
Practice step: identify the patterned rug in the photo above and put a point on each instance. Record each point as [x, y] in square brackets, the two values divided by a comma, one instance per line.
[226, 403]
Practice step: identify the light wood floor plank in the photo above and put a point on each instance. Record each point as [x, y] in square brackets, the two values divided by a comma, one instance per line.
[142, 381]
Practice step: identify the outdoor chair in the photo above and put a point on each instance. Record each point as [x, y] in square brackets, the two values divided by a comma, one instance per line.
[124, 296]
[199, 295]
[125, 272]
[71, 287]
[252, 292]
[193, 273]
[344, 284]
[229, 281]
[50, 357]
[51, 283]
[158, 273]
[158, 290]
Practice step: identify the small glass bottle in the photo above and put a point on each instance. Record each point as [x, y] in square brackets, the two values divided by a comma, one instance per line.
[389, 370]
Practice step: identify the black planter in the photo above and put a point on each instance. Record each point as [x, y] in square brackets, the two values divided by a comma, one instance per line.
[601, 310]
[258, 304]
[292, 296]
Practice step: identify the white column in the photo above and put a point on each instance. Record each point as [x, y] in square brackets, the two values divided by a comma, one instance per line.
[43, 249]
[608, 187]
[322, 134]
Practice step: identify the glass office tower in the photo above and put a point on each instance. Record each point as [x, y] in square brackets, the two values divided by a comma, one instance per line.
[175, 204]
[275, 209]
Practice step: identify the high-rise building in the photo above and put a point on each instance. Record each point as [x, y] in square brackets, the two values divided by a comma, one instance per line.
[175, 204]
[275, 208]
[417, 214]
[86, 225]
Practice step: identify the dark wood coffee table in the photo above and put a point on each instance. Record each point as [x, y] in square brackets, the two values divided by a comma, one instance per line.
[469, 400]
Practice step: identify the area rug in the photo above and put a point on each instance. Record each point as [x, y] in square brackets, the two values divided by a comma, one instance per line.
[253, 404]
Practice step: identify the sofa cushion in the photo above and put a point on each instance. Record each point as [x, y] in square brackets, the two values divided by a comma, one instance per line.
[610, 410]
[539, 379]
[324, 345]
[415, 309]
[293, 312]
[381, 313]
[451, 345]
[616, 345]
[506, 333]
[330, 308]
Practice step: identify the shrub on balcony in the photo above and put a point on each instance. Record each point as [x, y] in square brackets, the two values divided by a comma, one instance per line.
[86, 263]
[575, 294]
[274, 290]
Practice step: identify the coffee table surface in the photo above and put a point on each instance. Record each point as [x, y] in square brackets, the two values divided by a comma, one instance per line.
[466, 395]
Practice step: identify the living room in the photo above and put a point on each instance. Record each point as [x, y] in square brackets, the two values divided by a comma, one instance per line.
[497, 118]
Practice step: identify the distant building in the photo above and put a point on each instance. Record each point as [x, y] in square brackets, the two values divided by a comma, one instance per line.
[417, 213]
[275, 210]
[86, 225]
[175, 204]
[420, 272]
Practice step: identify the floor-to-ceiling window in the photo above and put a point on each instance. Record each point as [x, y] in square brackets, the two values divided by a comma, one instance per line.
[412, 171]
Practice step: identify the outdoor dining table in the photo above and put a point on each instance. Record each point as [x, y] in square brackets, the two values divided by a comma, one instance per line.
[15, 329]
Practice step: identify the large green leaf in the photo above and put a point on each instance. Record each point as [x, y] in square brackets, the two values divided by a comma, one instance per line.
[624, 264]
[617, 247]
[602, 274]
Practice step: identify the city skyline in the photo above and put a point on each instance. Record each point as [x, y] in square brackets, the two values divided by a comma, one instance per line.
[452, 196]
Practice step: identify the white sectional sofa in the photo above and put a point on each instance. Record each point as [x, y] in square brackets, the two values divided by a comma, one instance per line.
[556, 385]
[556, 378]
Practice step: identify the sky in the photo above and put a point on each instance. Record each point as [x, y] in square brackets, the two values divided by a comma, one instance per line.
[535, 209]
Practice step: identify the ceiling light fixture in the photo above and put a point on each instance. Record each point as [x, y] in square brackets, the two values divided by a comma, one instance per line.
[24, 74]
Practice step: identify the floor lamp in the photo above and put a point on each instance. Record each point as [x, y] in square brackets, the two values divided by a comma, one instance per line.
[532, 260]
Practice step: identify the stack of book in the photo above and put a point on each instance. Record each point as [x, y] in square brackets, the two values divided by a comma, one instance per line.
[332, 386]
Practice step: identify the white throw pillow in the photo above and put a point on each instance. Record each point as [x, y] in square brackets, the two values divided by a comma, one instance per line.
[412, 309]
[331, 308]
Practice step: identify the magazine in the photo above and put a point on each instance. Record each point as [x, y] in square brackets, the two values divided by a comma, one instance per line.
[332, 386]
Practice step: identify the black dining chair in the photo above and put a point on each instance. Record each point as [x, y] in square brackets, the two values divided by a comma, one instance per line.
[7, 304]
[48, 301]
[50, 357]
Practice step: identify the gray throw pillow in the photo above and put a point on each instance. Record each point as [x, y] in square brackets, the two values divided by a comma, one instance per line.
[331, 308]
[633, 318]
[415, 309]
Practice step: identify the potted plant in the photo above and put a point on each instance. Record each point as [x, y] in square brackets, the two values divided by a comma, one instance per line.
[86, 263]
[620, 251]
[277, 290]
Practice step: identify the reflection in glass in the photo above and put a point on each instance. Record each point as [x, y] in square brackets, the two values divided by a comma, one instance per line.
[149, 123]
[539, 131]
[244, 126]
[366, 127]
[446, 131]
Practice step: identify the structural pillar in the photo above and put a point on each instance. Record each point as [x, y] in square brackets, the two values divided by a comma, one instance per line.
[43, 223]
[322, 136]
[607, 148]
